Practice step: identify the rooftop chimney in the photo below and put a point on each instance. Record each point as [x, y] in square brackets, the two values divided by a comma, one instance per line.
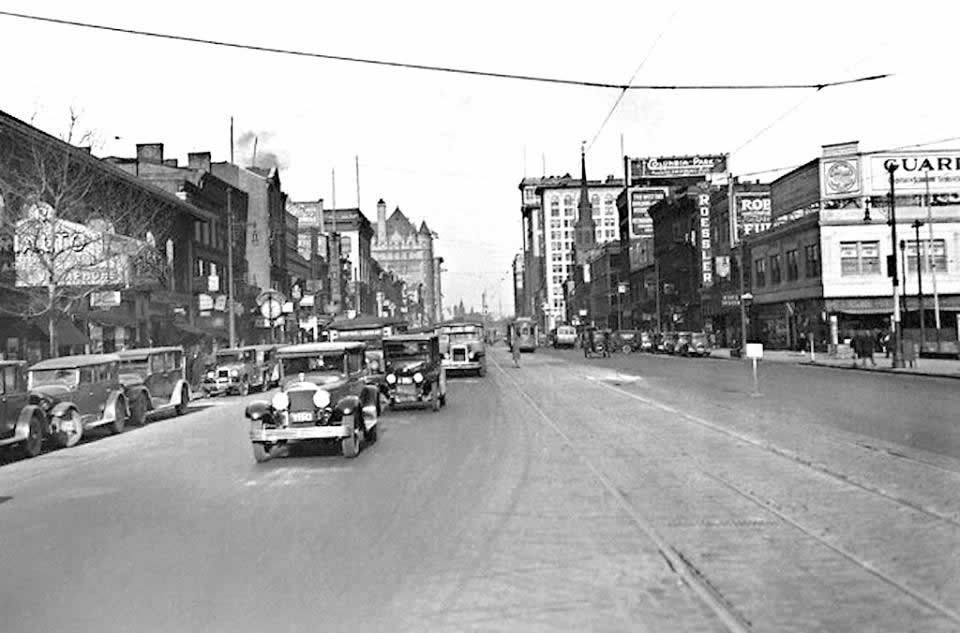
[150, 153]
[381, 222]
[199, 160]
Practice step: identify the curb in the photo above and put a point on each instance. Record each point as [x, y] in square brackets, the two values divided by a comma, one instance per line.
[878, 370]
[881, 370]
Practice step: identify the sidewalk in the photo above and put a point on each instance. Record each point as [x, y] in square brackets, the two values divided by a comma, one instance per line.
[942, 368]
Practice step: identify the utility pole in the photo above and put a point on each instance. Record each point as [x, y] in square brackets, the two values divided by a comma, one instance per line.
[897, 332]
[356, 163]
[932, 259]
[916, 229]
[232, 325]
[656, 272]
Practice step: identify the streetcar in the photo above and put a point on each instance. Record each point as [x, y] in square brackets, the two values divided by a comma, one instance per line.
[525, 332]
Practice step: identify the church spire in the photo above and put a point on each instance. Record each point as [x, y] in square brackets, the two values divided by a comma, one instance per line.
[585, 230]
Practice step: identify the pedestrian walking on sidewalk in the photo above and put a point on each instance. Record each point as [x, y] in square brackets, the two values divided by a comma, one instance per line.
[515, 351]
[866, 348]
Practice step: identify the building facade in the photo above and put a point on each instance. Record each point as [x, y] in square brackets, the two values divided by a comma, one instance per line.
[408, 251]
[824, 268]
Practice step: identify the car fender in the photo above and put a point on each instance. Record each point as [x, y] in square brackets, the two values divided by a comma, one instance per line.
[62, 408]
[23, 420]
[178, 391]
[259, 411]
[139, 390]
[370, 402]
[346, 407]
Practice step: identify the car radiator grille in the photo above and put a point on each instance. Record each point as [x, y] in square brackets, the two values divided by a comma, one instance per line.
[459, 354]
[301, 402]
[223, 373]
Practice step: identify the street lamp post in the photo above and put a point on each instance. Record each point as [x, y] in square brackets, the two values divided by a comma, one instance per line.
[916, 228]
[897, 332]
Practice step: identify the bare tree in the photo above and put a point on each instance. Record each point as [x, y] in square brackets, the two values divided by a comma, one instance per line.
[79, 226]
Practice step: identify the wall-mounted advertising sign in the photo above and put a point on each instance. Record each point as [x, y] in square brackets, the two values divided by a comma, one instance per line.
[940, 171]
[840, 177]
[669, 167]
[706, 255]
[753, 210]
[641, 199]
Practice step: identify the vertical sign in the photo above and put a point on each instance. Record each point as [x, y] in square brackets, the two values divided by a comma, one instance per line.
[706, 256]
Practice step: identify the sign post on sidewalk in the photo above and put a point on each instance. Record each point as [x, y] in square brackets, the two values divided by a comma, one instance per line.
[755, 353]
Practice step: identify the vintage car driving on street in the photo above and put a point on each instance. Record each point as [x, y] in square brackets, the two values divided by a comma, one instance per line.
[415, 372]
[22, 424]
[596, 342]
[565, 336]
[240, 369]
[155, 381]
[78, 393]
[462, 345]
[324, 395]
[696, 344]
[370, 331]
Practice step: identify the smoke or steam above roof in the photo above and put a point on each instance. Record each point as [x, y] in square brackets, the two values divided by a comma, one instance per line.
[251, 142]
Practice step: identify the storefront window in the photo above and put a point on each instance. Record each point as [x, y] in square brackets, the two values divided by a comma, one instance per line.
[859, 258]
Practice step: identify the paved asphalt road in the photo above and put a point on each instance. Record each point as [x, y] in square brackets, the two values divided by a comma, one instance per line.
[627, 494]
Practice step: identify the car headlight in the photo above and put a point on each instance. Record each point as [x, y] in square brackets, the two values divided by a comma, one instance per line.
[391, 379]
[418, 377]
[321, 398]
[211, 374]
[374, 366]
[280, 401]
[235, 373]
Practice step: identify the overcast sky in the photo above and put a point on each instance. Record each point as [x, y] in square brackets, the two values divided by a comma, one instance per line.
[450, 149]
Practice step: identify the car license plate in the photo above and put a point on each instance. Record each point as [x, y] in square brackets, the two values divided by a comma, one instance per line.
[301, 416]
[406, 380]
[68, 426]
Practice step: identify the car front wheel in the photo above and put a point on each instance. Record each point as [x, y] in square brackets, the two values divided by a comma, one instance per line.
[350, 446]
[120, 417]
[138, 411]
[69, 429]
[184, 401]
[435, 396]
[33, 445]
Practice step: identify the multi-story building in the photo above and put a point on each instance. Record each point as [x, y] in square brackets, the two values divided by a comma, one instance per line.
[751, 215]
[98, 198]
[557, 212]
[824, 267]
[401, 247]
[266, 208]
[221, 205]
[605, 300]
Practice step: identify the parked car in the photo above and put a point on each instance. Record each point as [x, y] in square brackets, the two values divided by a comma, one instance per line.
[325, 395]
[22, 423]
[668, 343]
[155, 381]
[415, 372]
[240, 369]
[647, 342]
[698, 345]
[463, 347]
[566, 336]
[627, 341]
[682, 345]
[79, 393]
[596, 342]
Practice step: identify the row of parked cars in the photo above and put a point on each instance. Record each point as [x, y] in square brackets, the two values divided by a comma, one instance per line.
[59, 399]
[627, 341]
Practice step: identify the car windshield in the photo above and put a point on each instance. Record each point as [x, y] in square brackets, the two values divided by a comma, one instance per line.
[324, 364]
[407, 350]
[229, 357]
[134, 366]
[69, 377]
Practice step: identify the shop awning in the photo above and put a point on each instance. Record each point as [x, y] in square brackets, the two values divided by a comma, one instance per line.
[116, 318]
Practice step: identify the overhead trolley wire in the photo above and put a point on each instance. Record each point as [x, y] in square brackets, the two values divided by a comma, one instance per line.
[428, 67]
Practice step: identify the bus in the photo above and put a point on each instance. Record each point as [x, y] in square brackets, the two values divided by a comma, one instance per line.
[526, 332]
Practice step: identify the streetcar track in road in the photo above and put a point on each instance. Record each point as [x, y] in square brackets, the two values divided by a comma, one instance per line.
[871, 569]
[732, 619]
[785, 454]
[773, 509]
